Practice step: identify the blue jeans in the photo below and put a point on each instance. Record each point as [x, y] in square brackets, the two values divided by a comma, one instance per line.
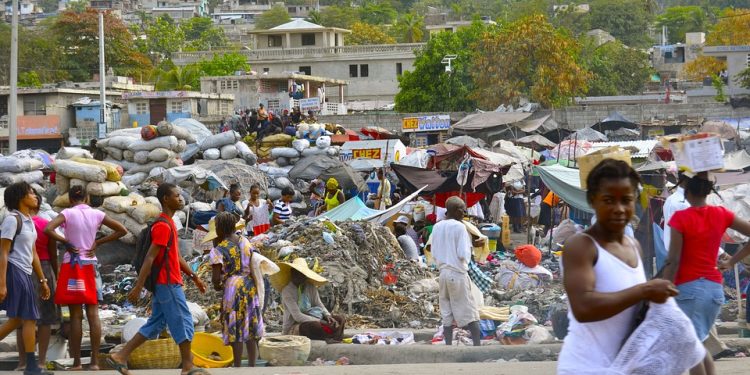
[701, 301]
[169, 309]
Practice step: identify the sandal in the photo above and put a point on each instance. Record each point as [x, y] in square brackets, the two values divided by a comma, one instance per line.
[117, 366]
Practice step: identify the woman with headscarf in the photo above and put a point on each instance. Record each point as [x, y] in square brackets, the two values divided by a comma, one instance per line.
[333, 196]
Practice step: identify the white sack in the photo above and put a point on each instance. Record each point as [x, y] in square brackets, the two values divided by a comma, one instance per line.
[229, 152]
[212, 154]
[86, 172]
[169, 142]
[219, 140]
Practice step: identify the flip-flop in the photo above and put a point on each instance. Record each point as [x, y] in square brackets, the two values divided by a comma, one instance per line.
[117, 366]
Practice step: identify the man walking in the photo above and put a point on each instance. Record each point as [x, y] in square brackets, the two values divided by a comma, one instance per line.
[451, 249]
[168, 304]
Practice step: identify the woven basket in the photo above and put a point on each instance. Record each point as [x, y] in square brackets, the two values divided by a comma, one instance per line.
[155, 354]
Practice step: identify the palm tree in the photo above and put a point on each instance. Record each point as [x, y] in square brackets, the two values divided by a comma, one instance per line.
[314, 17]
[179, 78]
[410, 28]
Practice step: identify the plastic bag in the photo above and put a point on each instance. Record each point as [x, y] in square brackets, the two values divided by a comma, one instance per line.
[149, 132]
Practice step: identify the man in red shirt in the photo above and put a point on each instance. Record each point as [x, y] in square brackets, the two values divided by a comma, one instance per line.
[169, 306]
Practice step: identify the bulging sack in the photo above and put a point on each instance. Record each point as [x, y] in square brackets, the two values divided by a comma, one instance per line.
[134, 179]
[212, 154]
[119, 204]
[86, 172]
[72, 152]
[104, 189]
[219, 140]
[114, 153]
[229, 152]
[122, 142]
[300, 144]
[169, 142]
[8, 178]
[141, 157]
[18, 165]
[284, 152]
[160, 154]
[114, 171]
[323, 141]
[145, 212]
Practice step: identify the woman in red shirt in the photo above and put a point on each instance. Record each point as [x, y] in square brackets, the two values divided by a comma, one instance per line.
[693, 251]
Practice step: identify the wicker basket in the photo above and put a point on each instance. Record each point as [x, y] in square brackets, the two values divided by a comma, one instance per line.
[156, 354]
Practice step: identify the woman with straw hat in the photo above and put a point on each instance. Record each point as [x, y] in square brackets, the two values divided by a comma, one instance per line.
[231, 260]
[304, 313]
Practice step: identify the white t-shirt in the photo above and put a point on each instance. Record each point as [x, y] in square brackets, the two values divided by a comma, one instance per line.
[451, 245]
[675, 202]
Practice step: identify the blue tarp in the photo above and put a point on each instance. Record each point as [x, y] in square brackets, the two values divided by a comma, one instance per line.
[566, 183]
[353, 209]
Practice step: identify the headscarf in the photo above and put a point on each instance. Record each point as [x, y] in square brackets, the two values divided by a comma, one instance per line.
[332, 184]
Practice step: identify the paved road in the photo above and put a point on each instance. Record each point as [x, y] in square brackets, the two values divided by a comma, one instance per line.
[737, 366]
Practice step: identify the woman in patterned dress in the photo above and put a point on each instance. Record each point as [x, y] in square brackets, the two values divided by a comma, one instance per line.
[241, 318]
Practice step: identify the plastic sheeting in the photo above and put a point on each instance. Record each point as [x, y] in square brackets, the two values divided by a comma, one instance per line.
[324, 166]
[355, 209]
[197, 129]
[566, 183]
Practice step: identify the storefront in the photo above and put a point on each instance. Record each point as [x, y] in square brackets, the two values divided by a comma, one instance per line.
[426, 131]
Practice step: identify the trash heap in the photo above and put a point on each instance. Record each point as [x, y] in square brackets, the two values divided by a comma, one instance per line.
[140, 150]
[100, 179]
[227, 146]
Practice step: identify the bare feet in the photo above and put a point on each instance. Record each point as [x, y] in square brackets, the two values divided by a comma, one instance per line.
[93, 367]
[76, 368]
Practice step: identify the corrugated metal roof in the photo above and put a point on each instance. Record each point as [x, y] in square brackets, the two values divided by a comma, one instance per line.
[644, 147]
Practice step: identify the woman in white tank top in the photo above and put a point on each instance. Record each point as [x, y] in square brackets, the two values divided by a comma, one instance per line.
[603, 275]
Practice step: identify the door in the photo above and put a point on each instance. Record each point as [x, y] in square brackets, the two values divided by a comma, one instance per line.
[158, 110]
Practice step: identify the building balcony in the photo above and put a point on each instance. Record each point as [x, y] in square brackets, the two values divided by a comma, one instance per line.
[326, 109]
[270, 54]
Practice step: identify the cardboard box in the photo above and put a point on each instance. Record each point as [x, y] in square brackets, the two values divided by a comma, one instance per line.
[698, 153]
[587, 162]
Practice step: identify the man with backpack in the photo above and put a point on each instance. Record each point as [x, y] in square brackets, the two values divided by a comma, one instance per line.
[161, 273]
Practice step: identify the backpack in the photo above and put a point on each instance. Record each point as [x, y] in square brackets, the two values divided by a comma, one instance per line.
[142, 245]
[19, 226]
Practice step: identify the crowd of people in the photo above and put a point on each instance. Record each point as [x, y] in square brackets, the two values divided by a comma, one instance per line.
[263, 122]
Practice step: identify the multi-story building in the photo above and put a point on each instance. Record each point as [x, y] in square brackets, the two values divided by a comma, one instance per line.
[669, 60]
[150, 107]
[302, 47]
[177, 9]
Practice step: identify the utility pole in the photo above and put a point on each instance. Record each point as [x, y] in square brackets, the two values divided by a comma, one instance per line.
[13, 98]
[102, 130]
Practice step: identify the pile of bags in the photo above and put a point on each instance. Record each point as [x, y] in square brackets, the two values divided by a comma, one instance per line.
[139, 150]
[227, 146]
[135, 212]
[20, 167]
[99, 178]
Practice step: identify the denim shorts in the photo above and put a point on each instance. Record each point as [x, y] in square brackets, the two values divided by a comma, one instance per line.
[701, 301]
[169, 309]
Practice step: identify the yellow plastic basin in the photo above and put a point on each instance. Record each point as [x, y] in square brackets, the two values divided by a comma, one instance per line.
[205, 346]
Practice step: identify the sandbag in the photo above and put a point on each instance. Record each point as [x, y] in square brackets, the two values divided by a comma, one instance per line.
[149, 132]
[300, 144]
[250, 159]
[313, 151]
[87, 172]
[128, 155]
[78, 182]
[134, 179]
[280, 140]
[105, 189]
[181, 146]
[323, 141]
[183, 134]
[122, 142]
[160, 154]
[285, 350]
[114, 153]
[212, 154]
[164, 128]
[133, 226]
[62, 201]
[171, 163]
[72, 152]
[62, 183]
[126, 165]
[169, 142]
[219, 140]
[128, 132]
[274, 193]
[145, 212]
[154, 201]
[120, 204]
[229, 152]
[141, 157]
[18, 165]
[242, 148]
[8, 178]
[284, 152]
[274, 172]
[114, 170]
[282, 162]
[282, 182]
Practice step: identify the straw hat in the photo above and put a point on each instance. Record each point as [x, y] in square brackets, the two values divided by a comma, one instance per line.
[280, 279]
[211, 235]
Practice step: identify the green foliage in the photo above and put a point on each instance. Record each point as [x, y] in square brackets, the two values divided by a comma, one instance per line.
[223, 65]
[48, 6]
[78, 6]
[202, 34]
[273, 17]
[681, 20]
[743, 79]
[377, 12]
[364, 33]
[616, 69]
[428, 87]
[410, 28]
[314, 17]
[29, 79]
[577, 22]
[337, 16]
[718, 85]
[179, 78]
[163, 37]
[626, 20]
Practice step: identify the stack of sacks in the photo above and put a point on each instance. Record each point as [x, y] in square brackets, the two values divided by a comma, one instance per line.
[273, 141]
[67, 153]
[135, 212]
[99, 178]
[139, 150]
[227, 146]
[17, 169]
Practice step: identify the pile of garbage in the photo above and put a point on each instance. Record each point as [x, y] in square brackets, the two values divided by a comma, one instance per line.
[227, 146]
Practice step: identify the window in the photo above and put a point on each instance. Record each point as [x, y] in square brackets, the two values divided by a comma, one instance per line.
[292, 10]
[364, 70]
[306, 70]
[274, 105]
[274, 41]
[266, 70]
[141, 108]
[175, 106]
[224, 107]
[353, 71]
[308, 39]
[229, 85]
[33, 106]
[399, 69]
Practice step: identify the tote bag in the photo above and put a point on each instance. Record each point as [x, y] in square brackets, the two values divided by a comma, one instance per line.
[76, 284]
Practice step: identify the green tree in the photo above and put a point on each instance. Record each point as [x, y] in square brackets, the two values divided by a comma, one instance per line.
[202, 34]
[410, 28]
[314, 17]
[77, 35]
[163, 37]
[718, 85]
[223, 64]
[681, 20]
[572, 19]
[273, 17]
[364, 33]
[427, 87]
[179, 78]
[377, 12]
[616, 69]
[528, 58]
[743, 79]
[733, 29]
[29, 79]
[336, 16]
[78, 6]
[626, 20]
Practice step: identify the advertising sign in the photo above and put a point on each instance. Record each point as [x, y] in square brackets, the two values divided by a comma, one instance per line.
[426, 123]
[39, 127]
[309, 104]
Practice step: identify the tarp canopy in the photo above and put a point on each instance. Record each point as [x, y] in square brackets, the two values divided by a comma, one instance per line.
[483, 163]
[533, 124]
[355, 209]
[488, 120]
[566, 183]
[615, 121]
[588, 134]
[535, 141]
[465, 140]
[324, 166]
